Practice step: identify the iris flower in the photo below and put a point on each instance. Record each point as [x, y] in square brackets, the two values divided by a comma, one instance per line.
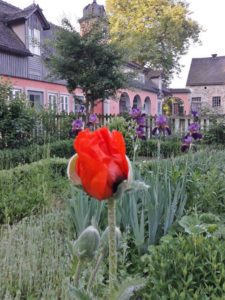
[134, 113]
[140, 131]
[92, 120]
[76, 127]
[186, 143]
[194, 131]
[161, 126]
[100, 164]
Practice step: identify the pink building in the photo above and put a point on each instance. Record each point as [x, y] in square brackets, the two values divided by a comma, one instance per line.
[21, 61]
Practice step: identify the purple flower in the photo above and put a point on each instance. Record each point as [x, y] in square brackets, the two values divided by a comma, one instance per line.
[140, 131]
[77, 124]
[93, 119]
[194, 128]
[194, 114]
[141, 121]
[186, 143]
[161, 121]
[161, 126]
[134, 113]
[82, 108]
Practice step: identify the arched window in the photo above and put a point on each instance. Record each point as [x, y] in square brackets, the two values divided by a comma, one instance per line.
[147, 106]
[124, 105]
[137, 102]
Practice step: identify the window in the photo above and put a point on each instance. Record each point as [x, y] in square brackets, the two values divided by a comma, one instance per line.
[36, 99]
[64, 100]
[15, 92]
[52, 101]
[34, 41]
[159, 108]
[78, 102]
[216, 101]
[196, 104]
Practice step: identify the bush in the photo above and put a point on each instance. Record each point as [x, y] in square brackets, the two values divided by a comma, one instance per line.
[128, 129]
[26, 189]
[216, 133]
[16, 119]
[187, 267]
[14, 157]
[167, 148]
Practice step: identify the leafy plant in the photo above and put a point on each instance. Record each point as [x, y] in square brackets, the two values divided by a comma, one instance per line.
[186, 267]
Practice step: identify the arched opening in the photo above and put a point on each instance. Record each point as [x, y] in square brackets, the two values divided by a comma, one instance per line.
[173, 106]
[124, 103]
[147, 106]
[136, 102]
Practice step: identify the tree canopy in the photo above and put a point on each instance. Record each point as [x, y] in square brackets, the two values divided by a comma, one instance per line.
[87, 61]
[154, 32]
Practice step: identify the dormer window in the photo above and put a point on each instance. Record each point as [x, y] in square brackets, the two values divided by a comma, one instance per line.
[34, 41]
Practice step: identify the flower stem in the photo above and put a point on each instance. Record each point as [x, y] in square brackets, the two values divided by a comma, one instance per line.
[94, 272]
[112, 244]
[77, 274]
[158, 147]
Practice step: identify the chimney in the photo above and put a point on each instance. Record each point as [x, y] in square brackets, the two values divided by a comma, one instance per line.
[214, 55]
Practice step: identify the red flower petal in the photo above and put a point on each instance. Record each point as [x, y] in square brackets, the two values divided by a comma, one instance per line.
[101, 163]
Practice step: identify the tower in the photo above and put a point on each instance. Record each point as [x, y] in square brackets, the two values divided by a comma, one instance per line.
[91, 13]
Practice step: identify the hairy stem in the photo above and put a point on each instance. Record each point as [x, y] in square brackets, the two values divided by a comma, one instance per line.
[112, 244]
[94, 272]
[77, 274]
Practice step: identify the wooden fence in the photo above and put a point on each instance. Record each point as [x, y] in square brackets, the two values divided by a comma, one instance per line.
[58, 126]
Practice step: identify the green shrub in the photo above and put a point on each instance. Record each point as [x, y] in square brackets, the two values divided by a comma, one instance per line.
[167, 148]
[128, 129]
[12, 158]
[216, 133]
[189, 267]
[26, 189]
[16, 119]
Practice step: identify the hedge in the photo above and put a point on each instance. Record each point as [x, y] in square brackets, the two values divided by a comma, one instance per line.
[24, 190]
[12, 158]
[64, 149]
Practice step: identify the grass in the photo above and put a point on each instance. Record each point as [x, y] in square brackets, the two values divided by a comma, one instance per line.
[34, 258]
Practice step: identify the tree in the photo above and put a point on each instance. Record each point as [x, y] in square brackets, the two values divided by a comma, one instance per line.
[87, 61]
[158, 32]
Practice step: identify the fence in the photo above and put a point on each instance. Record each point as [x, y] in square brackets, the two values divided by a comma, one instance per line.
[57, 126]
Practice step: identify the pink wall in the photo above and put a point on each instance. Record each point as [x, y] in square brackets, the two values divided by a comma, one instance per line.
[45, 87]
[114, 104]
[184, 98]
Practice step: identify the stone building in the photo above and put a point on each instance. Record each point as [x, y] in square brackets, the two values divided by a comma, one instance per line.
[206, 81]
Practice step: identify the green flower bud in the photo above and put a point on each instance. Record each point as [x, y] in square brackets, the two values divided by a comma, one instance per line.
[104, 243]
[87, 243]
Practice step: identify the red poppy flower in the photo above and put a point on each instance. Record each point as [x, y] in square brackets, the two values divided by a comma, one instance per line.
[100, 164]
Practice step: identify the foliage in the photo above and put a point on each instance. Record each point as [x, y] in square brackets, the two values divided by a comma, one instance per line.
[24, 190]
[34, 258]
[167, 148]
[84, 210]
[154, 32]
[16, 118]
[14, 157]
[216, 132]
[128, 130]
[207, 223]
[186, 267]
[88, 61]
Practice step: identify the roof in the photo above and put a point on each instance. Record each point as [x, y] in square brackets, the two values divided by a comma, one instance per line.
[26, 13]
[10, 42]
[180, 91]
[207, 71]
[9, 14]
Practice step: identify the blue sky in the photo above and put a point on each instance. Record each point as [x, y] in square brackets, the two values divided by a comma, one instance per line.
[208, 13]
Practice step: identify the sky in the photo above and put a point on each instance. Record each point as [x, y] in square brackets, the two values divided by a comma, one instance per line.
[208, 13]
